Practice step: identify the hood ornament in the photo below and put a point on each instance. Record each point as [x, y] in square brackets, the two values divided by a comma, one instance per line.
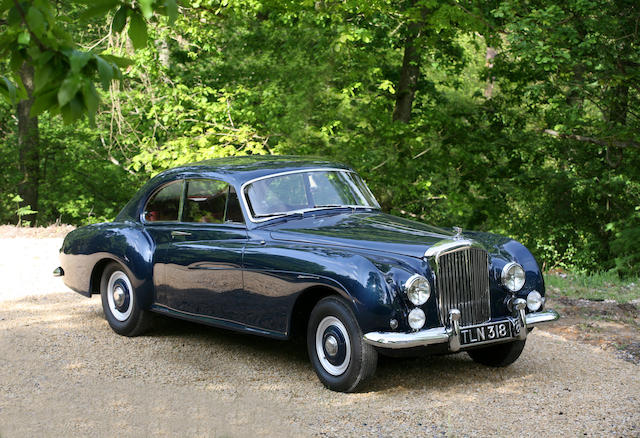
[458, 231]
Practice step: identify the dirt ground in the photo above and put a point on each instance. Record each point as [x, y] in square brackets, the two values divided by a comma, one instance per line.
[63, 372]
[607, 324]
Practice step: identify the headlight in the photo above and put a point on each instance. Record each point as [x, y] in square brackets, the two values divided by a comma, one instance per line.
[416, 319]
[513, 276]
[417, 289]
[534, 301]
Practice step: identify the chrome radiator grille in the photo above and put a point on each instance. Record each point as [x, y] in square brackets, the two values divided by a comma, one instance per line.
[463, 284]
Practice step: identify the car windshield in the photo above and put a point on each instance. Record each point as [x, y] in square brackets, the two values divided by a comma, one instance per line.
[298, 192]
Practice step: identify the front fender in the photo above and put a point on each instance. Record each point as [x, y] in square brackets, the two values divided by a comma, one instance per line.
[367, 279]
[394, 271]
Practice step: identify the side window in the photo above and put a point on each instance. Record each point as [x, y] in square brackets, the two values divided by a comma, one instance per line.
[212, 202]
[205, 201]
[164, 205]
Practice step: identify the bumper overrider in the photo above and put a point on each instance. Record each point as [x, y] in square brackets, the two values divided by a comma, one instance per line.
[451, 334]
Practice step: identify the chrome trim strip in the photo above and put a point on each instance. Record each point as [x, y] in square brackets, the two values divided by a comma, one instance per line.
[450, 335]
[219, 322]
[289, 172]
[447, 245]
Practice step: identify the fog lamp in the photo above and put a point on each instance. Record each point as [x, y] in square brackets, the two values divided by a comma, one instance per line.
[534, 301]
[416, 319]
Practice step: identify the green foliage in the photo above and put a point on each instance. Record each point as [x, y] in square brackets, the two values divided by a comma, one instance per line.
[550, 157]
[594, 286]
[625, 244]
[36, 33]
[22, 210]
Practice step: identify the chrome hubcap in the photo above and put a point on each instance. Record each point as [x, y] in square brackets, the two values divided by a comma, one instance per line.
[118, 296]
[331, 345]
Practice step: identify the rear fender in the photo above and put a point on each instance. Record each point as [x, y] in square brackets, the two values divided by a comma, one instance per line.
[88, 249]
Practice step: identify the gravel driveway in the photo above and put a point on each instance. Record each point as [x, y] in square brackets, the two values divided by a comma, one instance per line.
[63, 372]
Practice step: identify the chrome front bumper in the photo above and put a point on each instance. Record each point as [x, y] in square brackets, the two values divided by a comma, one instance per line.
[451, 334]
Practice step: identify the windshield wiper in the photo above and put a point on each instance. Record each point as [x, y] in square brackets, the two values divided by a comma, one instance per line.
[279, 214]
[300, 213]
[350, 207]
[329, 206]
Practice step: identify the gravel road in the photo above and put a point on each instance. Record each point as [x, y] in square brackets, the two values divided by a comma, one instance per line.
[63, 372]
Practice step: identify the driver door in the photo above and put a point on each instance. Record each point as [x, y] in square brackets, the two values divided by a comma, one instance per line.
[203, 259]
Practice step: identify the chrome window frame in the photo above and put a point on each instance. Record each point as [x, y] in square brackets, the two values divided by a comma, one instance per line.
[290, 172]
[184, 181]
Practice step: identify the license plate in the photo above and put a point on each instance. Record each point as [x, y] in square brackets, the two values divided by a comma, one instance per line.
[488, 332]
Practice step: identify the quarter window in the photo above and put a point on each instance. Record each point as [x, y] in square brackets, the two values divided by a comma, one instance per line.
[164, 205]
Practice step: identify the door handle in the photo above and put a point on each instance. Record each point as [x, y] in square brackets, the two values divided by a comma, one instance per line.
[180, 233]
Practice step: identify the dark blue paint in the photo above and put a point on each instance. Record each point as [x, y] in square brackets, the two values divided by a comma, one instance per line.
[248, 278]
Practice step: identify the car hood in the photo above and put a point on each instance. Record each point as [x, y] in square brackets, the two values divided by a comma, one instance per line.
[370, 231]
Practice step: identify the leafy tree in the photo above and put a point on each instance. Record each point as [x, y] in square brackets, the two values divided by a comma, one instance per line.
[514, 117]
[49, 71]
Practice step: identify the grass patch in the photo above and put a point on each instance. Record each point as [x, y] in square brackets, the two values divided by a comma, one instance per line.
[595, 286]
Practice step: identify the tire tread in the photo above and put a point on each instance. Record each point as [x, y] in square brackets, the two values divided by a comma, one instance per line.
[368, 358]
[138, 322]
[498, 356]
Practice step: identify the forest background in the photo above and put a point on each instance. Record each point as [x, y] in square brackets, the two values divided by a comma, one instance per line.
[519, 117]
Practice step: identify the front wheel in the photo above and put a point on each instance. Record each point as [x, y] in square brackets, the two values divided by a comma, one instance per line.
[338, 353]
[500, 355]
[119, 302]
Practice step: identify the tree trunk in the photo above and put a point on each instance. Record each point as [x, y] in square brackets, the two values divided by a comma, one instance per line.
[408, 76]
[489, 56]
[575, 97]
[619, 105]
[163, 53]
[28, 146]
[617, 118]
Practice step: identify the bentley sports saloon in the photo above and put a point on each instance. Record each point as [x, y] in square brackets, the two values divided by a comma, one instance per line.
[298, 247]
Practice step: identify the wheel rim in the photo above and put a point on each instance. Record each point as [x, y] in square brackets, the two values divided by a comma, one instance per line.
[333, 346]
[120, 296]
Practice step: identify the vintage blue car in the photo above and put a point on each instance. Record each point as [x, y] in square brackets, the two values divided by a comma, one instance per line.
[285, 246]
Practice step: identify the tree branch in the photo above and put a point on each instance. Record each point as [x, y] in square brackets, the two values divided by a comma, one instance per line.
[598, 141]
[482, 19]
[24, 21]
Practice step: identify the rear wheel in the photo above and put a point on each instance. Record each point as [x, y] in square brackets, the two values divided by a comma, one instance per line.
[340, 357]
[500, 355]
[119, 302]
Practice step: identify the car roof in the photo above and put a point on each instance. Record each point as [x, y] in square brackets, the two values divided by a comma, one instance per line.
[234, 170]
[239, 170]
